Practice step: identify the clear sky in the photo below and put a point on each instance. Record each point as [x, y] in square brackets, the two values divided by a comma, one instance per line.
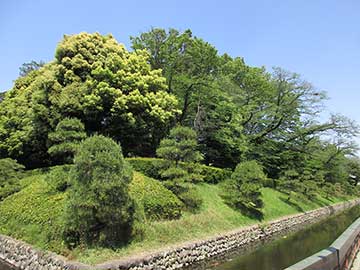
[320, 39]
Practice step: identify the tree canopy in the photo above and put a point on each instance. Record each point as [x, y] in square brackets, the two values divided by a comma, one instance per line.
[171, 78]
[95, 79]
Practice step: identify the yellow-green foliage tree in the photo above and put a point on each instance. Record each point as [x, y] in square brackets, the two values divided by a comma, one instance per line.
[95, 79]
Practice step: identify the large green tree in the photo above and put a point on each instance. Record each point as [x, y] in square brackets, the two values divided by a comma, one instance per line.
[192, 69]
[187, 62]
[95, 79]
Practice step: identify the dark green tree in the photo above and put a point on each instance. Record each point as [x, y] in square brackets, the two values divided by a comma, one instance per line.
[243, 190]
[179, 169]
[68, 133]
[10, 174]
[99, 208]
[26, 68]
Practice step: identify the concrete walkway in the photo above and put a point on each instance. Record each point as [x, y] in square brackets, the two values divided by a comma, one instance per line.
[356, 264]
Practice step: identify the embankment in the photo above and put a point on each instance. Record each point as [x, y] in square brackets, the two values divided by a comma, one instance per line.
[23, 256]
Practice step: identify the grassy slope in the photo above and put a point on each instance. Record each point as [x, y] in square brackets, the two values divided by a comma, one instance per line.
[33, 216]
[215, 217]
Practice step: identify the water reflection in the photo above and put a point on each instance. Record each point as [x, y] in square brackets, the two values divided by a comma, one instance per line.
[281, 253]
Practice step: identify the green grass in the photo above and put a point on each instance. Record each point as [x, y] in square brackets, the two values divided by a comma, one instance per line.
[34, 215]
[214, 217]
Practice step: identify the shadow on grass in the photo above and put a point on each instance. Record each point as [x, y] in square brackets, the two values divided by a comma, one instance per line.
[253, 214]
[293, 205]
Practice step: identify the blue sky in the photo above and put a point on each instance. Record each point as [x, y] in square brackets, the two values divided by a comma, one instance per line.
[318, 39]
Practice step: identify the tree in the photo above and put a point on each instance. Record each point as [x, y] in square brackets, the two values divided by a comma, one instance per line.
[2, 96]
[187, 63]
[26, 68]
[65, 139]
[242, 191]
[193, 71]
[99, 208]
[95, 79]
[10, 173]
[180, 155]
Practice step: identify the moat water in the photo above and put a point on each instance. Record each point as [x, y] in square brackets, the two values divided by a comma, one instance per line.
[285, 251]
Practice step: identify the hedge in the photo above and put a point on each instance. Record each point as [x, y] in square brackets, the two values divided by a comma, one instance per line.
[150, 167]
[147, 166]
[157, 201]
[34, 215]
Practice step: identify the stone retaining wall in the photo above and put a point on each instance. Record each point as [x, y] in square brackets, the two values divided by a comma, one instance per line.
[23, 256]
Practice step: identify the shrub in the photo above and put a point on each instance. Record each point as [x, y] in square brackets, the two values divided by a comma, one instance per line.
[310, 189]
[59, 178]
[242, 191]
[148, 166]
[191, 199]
[99, 208]
[157, 201]
[292, 182]
[289, 186]
[179, 151]
[213, 175]
[328, 189]
[348, 189]
[10, 173]
[180, 167]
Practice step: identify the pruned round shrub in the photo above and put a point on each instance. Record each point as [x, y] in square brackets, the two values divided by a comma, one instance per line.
[157, 201]
[242, 191]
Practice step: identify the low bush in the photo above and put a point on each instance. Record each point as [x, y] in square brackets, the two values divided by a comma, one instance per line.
[157, 201]
[213, 175]
[242, 191]
[148, 166]
[59, 178]
[191, 199]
